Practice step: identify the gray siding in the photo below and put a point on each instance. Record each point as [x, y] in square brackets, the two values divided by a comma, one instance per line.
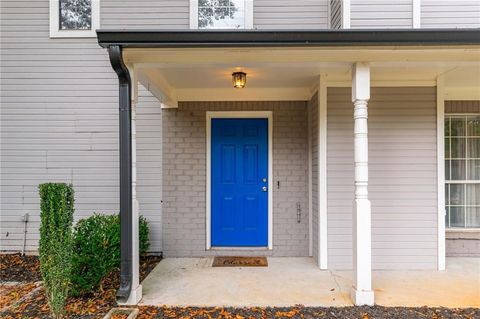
[381, 14]
[59, 120]
[450, 14]
[59, 115]
[290, 14]
[184, 177]
[403, 191]
[313, 125]
[145, 14]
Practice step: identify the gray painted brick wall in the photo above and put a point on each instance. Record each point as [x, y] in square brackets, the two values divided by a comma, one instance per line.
[184, 177]
[313, 118]
[470, 107]
[463, 248]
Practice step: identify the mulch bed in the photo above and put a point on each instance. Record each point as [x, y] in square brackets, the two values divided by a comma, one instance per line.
[14, 267]
[308, 312]
[10, 294]
[25, 269]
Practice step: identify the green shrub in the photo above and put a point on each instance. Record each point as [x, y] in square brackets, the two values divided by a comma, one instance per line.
[97, 250]
[55, 245]
[143, 232]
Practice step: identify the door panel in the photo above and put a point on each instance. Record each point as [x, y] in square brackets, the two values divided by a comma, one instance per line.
[239, 173]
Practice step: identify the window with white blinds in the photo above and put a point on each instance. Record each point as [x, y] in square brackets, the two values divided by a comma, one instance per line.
[462, 171]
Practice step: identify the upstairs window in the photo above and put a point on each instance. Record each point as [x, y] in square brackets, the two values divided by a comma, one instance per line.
[74, 18]
[75, 15]
[462, 171]
[221, 14]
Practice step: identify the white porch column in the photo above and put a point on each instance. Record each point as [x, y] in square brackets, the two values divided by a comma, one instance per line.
[136, 294]
[322, 173]
[362, 293]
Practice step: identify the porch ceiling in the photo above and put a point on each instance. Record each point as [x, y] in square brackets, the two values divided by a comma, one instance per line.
[294, 80]
[197, 66]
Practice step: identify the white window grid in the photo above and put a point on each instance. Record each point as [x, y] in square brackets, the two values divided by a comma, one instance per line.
[448, 161]
[216, 5]
[247, 11]
[228, 6]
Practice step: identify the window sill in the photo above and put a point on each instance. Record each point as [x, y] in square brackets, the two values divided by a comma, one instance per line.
[471, 233]
[73, 34]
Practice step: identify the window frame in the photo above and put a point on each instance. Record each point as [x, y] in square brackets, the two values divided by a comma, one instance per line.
[464, 182]
[248, 16]
[56, 32]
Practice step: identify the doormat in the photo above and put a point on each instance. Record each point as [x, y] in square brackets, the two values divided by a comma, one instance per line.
[239, 262]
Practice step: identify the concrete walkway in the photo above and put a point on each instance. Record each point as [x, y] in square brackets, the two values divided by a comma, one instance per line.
[291, 281]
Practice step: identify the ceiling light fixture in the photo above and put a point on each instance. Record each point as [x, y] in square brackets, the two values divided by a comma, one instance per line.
[239, 79]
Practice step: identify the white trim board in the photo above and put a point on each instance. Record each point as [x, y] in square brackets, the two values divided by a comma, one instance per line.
[248, 14]
[239, 114]
[54, 16]
[310, 182]
[193, 14]
[346, 15]
[441, 172]
[461, 93]
[329, 15]
[416, 14]
[246, 94]
[322, 172]
[413, 83]
[462, 114]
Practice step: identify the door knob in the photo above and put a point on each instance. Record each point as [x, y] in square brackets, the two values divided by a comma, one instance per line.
[264, 188]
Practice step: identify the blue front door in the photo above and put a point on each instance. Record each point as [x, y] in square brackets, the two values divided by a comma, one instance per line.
[239, 181]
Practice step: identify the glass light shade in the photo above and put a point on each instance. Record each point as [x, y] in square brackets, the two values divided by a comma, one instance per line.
[239, 80]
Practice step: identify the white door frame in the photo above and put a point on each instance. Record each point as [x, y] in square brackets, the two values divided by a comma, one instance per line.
[240, 114]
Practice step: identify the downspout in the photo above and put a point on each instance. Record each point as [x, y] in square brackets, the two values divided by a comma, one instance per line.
[126, 253]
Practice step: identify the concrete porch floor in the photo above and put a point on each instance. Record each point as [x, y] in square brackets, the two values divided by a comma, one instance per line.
[291, 281]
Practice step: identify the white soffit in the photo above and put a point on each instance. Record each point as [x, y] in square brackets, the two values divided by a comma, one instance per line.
[293, 81]
[462, 83]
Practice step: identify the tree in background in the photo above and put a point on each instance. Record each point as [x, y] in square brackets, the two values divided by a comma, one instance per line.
[211, 10]
[75, 14]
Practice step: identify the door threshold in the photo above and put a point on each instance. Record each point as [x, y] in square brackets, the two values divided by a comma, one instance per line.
[265, 248]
